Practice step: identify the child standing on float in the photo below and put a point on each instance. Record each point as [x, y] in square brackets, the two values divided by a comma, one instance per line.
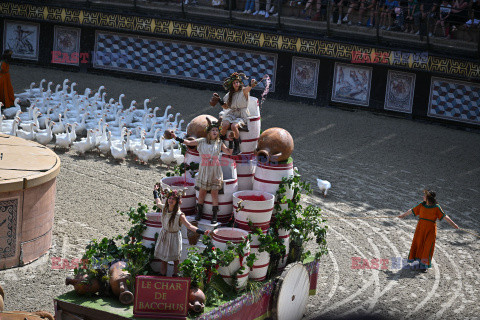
[210, 176]
[169, 241]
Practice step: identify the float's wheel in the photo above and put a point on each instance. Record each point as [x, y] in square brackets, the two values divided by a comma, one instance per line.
[291, 293]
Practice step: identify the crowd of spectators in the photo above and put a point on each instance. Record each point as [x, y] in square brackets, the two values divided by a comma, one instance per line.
[437, 18]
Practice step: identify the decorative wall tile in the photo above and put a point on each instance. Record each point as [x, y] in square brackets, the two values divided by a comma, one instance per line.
[181, 60]
[454, 100]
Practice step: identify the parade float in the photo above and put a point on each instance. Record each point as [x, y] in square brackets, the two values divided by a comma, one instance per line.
[254, 264]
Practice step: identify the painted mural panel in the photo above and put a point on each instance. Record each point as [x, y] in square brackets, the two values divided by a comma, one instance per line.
[399, 92]
[304, 77]
[351, 84]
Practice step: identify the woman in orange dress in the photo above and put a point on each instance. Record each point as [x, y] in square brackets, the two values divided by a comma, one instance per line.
[423, 243]
[6, 89]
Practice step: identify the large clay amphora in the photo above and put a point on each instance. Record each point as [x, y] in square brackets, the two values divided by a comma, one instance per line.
[83, 285]
[118, 282]
[274, 145]
[196, 127]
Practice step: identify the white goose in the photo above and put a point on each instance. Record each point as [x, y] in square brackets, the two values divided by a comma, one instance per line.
[141, 112]
[82, 127]
[14, 128]
[86, 144]
[10, 112]
[63, 140]
[119, 153]
[65, 86]
[28, 134]
[28, 93]
[60, 126]
[7, 124]
[168, 157]
[145, 155]
[104, 146]
[165, 115]
[45, 136]
[160, 151]
[25, 124]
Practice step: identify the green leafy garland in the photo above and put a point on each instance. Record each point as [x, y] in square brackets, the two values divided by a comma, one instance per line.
[179, 170]
[99, 255]
[304, 223]
[203, 266]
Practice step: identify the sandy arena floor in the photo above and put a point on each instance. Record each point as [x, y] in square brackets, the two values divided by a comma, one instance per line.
[377, 165]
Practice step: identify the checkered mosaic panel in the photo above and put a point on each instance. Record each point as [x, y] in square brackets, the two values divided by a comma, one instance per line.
[179, 60]
[454, 100]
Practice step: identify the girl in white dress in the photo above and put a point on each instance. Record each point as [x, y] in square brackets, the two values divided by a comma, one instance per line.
[235, 104]
[169, 241]
[210, 175]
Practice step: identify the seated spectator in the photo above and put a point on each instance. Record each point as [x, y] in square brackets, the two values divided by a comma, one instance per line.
[399, 22]
[388, 12]
[337, 4]
[412, 8]
[368, 6]
[427, 9]
[308, 8]
[445, 9]
[458, 16]
[249, 6]
[474, 16]
[354, 4]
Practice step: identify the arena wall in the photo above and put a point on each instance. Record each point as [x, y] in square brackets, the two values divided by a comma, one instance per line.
[316, 71]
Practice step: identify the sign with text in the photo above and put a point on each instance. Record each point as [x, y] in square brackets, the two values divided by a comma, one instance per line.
[161, 297]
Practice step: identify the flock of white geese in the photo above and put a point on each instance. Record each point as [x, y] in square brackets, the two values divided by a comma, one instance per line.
[84, 122]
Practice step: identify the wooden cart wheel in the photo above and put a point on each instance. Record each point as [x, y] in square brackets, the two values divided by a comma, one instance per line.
[291, 293]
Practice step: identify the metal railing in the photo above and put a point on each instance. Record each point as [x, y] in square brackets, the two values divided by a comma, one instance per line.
[340, 19]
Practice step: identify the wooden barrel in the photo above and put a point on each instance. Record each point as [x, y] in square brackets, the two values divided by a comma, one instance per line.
[180, 183]
[220, 237]
[260, 266]
[285, 236]
[192, 156]
[253, 206]
[268, 176]
[254, 107]
[230, 185]
[154, 225]
[246, 164]
[250, 138]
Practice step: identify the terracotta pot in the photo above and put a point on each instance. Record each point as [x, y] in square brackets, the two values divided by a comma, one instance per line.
[214, 99]
[1, 303]
[83, 285]
[22, 315]
[193, 236]
[168, 134]
[274, 144]
[196, 300]
[196, 127]
[118, 282]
